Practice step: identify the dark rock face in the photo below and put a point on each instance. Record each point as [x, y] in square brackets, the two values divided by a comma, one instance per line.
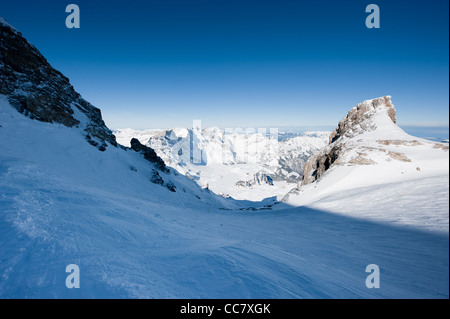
[171, 186]
[158, 180]
[149, 154]
[40, 92]
[319, 163]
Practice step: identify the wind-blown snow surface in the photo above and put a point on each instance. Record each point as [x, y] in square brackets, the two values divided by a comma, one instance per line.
[62, 202]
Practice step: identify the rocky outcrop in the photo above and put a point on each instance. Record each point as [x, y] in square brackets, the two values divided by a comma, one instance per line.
[42, 93]
[156, 178]
[319, 163]
[149, 154]
[259, 178]
[358, 121]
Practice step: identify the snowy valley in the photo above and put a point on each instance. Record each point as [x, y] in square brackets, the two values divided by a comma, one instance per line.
[136, 220]
[242, 164]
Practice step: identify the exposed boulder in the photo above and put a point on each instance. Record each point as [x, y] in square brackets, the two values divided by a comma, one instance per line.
[171, 186]
[156, 178]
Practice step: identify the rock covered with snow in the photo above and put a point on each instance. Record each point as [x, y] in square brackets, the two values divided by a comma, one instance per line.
[40, 92]
[374, 170]
[29, 84]
[367, 152]
[358, 119]
[149, 153]
[363, 118]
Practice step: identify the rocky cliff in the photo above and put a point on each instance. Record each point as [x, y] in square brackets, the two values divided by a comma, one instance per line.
[40, 92]
[360, 119]
[37, 90]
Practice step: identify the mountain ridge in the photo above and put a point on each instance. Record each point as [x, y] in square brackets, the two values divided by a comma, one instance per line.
[40, 92]
[368, 148]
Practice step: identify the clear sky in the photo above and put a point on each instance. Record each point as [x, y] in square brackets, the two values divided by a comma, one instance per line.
[248, 63]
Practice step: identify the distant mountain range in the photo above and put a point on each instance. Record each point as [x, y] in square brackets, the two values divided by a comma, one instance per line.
[252, 159]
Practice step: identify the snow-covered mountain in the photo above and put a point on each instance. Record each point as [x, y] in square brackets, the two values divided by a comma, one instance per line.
[40, 92]
[241, 164]
[139, 229]
[370, 157]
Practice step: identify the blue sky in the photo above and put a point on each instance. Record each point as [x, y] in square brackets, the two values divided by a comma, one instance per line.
[159, 64]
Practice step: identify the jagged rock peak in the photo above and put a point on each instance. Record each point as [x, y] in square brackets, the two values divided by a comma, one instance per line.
[358, 118]
[40, 92]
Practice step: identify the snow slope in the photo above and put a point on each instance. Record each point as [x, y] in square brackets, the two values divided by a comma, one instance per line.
[62, 202]
[382, 173]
